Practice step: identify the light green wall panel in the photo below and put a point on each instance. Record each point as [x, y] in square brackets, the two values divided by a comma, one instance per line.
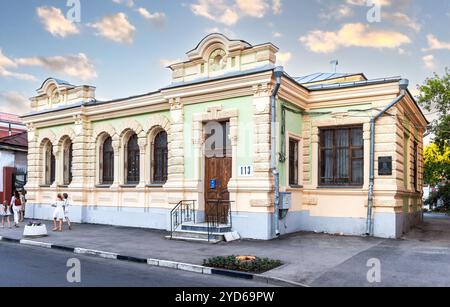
[245, 143]
[294, 124]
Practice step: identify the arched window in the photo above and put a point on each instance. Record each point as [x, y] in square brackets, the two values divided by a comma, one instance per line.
[49, 164]
[132, 166]
[107, 162]
[160, 158]
[67, 162]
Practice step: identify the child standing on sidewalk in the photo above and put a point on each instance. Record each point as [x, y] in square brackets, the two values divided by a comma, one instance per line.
[5, 213]
[58, 214]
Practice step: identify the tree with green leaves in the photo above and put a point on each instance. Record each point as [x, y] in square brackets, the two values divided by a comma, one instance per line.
[435, 97]
[437, 164]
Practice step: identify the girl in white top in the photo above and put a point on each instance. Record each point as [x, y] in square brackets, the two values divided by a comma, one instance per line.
[66, 209]
[16, 206]
[58, 214]
[5, 213]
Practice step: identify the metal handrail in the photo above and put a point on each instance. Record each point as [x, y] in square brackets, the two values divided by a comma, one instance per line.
[183, 212]
[214, 221]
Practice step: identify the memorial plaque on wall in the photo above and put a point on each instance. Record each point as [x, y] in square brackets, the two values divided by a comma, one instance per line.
[384, 166]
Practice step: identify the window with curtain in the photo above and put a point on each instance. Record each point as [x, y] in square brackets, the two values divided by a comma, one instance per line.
[107, 162]
[341, 157]
[67, 162]
[132, 167]
[293, 162]
[160, 158]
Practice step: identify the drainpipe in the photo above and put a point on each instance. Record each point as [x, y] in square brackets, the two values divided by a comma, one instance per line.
[369, 222]
[278, 72]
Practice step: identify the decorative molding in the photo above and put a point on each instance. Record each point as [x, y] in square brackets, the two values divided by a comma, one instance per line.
[47, 134]
[104, 128]
[130, 124]
[263, 89]
[66, 132]
[157, 121]
[175, 104]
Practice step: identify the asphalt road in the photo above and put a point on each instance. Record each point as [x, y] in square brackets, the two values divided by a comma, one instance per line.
[39, 267]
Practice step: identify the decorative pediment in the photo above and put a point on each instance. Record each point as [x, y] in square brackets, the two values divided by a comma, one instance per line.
[217, 55]
[218, 40]
[52, 86]
[55, 93]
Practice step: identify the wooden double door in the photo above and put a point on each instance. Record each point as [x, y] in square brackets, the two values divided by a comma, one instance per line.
[218, 174]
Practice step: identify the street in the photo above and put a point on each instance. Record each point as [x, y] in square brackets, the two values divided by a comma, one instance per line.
[32, 267]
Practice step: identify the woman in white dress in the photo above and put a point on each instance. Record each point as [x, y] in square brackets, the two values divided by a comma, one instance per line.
[66, 209]
[5, 213]
[58, 214]
[16, 206]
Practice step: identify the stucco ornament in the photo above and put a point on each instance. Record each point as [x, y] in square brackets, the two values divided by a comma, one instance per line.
[55, 98]
[218, 60]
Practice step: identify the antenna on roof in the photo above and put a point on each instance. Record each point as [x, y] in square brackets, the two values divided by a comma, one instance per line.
[335, 63]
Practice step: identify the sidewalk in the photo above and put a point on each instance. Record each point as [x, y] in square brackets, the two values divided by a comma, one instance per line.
[306, 256]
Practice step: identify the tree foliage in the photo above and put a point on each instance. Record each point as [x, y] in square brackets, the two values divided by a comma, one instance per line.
[435, 97]
[437, 164]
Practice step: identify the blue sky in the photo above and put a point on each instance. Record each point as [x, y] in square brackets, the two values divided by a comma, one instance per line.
[122, 46]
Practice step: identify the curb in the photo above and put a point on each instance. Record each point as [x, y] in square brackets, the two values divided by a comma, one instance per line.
[193, 268]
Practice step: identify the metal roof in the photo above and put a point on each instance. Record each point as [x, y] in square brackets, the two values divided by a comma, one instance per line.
[17, 141]
[333, 86]
[318, 77]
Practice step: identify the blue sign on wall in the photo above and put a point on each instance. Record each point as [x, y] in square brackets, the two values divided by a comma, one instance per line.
[213, 184]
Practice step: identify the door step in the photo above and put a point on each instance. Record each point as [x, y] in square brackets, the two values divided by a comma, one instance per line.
[203, 227]
[197, 236]
[192, 239]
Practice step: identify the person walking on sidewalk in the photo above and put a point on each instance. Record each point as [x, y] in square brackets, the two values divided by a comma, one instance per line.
[5, 213]
[66, 209]
[16, 206]
[58, 214]
[23, 200]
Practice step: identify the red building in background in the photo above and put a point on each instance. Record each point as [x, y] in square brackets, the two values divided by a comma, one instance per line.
[10, 124]
[13, 155]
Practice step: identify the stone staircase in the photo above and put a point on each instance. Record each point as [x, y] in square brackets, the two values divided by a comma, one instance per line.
[199, 233]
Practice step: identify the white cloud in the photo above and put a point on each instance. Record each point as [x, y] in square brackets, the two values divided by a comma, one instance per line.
[428, 61]
[129, 3]
[78, 65]
[403, 19]
[6, 61]
[229, 12]
[156, 18]
[277, 34]
[116, 28]
[276, 7]
[336, 12]
[14, 102]
[6, 64]
[253, 8]
[364, 2]
[284, 57]
[215, 10]
[55, 22]
[435, 44]
[353, 35]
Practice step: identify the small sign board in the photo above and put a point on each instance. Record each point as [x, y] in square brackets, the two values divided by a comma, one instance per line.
[213, 184]
[384, 166]
[245, 170]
